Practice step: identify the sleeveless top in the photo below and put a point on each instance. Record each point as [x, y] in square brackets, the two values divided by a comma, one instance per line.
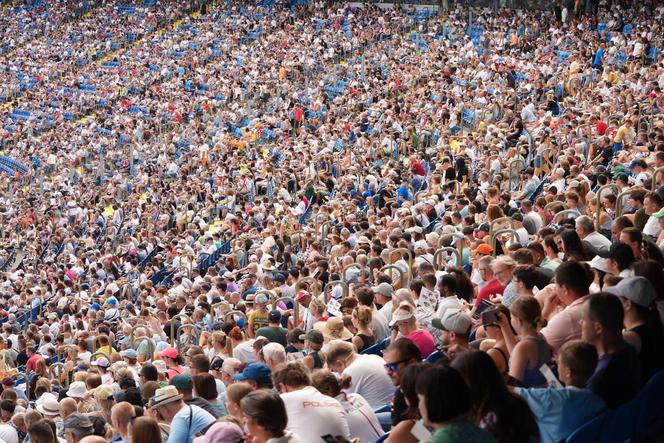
[367, 341]
[533, 378]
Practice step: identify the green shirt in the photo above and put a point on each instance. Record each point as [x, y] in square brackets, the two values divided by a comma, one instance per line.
[461, 431]
[275, 334]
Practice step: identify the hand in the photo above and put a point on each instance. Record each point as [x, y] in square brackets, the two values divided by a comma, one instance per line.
[503, 322]
[496, 298]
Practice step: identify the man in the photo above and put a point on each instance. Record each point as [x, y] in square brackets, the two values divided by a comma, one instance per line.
[398, 356]
[274, 354]
[121, 414]
[259, 316]
[273, 331]
[585, 227]
[367, 372]
[652, 203]
[307, 321]
[76, 427]
[383, 296]
[617, 377]
[531, 219]
[33, 357]
[560, 411]
[518, 226]
[531, 184]
[258, 375]
[41, 432]
[570, 292]
[619, 258]
[311, 414]
[102, 364]
[455, 326]
[184, 384]
[186, 421]
[200, 364]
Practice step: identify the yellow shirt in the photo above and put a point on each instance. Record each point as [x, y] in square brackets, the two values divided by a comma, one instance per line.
[620, 135]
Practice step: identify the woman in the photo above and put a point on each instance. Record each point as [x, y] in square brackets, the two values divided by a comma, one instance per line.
[552, 260]
[243, 349]
[504, 414]
[444, 402]
[528, 349]
[144, 430]
[495, 345]
[206, 388]
[265, 417]
[361, 319]
[41, 371]
[402, 431]
[234, 394]
[173, 361]
[572, 246]
[360, 416]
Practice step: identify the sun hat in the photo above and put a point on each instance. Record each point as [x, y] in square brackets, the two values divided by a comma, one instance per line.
[104, 392]
[221, 432]
[164, 396]
[76, 390]
[48, 405]
[334, 329]
[401, 314]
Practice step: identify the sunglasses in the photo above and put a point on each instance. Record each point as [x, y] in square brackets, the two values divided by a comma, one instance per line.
[392, 367]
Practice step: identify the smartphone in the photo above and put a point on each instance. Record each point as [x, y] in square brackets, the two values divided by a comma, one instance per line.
[329, 438]
[484, 305]
[489, 317]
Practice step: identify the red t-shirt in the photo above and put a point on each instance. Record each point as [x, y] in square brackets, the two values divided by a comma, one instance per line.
[424, 340]
[494, 287]
[31, 364]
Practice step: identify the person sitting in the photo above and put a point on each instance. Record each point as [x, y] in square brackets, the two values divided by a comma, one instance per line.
[266, 418]
[617, 376]
[404, 323]
[455, 325]
[311, 414]
[560, 411]
[186, 421]
[402, 431]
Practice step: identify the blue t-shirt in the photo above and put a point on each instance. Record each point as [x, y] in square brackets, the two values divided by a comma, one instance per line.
[560, 411]
[188, 422]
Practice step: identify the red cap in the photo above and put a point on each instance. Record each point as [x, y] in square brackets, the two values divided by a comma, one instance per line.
[170, 353]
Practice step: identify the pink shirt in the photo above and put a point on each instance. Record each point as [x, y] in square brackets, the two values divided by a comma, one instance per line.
[424, 340]
[565, 325]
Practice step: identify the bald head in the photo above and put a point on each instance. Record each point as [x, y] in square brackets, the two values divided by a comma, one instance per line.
[67, 407]
[92, 439]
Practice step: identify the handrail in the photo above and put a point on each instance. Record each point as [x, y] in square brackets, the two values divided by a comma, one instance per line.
[324, 231]
[403, 282]
[402, 251]
[437, 257]
[151, 346]
[655, 175]
[232, 315]
[494, 237]
[565, 212]
[61, 371]
[332, 283]
[293, 301]
[100, 354]
[178, 334]
[215, 307]
[610, 186]
[172, 322]
[132, 341]
[553, 204]
[510, 168]
[498, 221]
[620, 206]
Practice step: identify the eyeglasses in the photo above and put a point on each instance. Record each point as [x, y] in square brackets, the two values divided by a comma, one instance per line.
[392, 367]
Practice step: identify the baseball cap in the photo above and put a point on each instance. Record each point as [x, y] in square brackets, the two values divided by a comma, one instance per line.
[77, 421]
[313, 336]
[274, 316]
[385, 289]
[170, 353]
[182, 381]
[483, 249]
[453, 320]
[130, 354]
[255, 371]
[301, 294]
[638, 290]
[102, 361]
[483, 227]
[659, 214]
[222, 432]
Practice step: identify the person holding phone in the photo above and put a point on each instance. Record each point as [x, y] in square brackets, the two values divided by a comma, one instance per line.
[495, 345]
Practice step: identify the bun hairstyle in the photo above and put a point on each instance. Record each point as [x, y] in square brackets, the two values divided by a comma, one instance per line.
[528, 310]
[236, 333]
[363, 314]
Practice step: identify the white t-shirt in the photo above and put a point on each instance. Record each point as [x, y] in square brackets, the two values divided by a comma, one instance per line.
[312, 415]
[361, 418]
[245, 352]
[370, 380]
[8, 434]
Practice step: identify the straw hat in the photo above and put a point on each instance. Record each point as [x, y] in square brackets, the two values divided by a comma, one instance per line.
[334, 329]
[164, 396]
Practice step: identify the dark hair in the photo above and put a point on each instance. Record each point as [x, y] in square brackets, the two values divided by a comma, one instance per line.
[445, 392]
[43, 432]
[149, 371]
[573, 246]
[205, 386]
[550, 242]
[464, 289]
[267, 409]
[651, 270]
[291, 374]
[406, 348]
[575, 276]
[607, 310]
[527, 274]
[145, 430]
[448, 281]
[489, 394]
[407, 384]
[8, 405]
[200, 362]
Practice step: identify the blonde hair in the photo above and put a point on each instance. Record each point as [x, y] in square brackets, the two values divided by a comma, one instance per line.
[363, 314]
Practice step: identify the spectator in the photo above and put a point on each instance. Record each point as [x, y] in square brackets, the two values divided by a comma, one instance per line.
[310, 413]
[145, 430]
[404, 323]
[185, 420]
[617, 376]
[402, 431]
[266, 417]
[77, 426]
[257, 375]
[273, 331]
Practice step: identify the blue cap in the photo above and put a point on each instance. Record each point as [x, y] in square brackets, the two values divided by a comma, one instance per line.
[95, 306]
[255, 371]
[129, 353]
[111, 301]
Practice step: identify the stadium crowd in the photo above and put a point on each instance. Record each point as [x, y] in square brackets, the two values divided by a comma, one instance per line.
[299, 221]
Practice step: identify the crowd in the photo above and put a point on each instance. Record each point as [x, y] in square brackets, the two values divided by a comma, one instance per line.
[299, 221]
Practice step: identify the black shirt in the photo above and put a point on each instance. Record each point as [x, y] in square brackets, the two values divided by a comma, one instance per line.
[652, 350]
[617, 377]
